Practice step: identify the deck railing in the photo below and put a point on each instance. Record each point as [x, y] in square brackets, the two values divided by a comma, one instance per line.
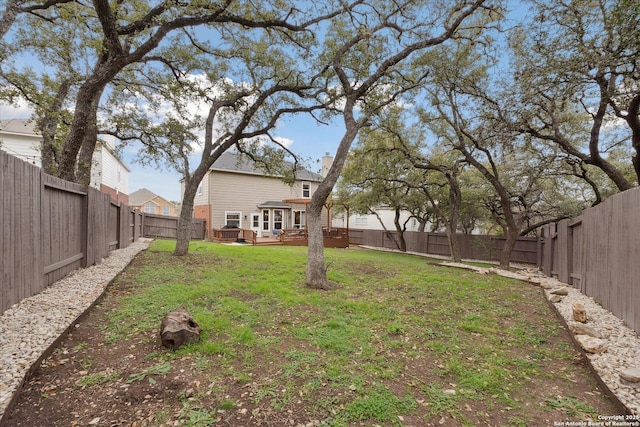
[225, 234]
[234, 235]
[333, 237]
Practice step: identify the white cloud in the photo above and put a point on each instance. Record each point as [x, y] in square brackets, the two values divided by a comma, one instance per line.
[19, 110]
[285, 142]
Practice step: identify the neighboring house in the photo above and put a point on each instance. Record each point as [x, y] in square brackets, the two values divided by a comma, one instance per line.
[236, 193]
[372, 221]
[109, 174]
[149, 202]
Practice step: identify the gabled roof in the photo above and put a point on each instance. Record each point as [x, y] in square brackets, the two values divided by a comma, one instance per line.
[234, 162]
[142, 196]
[19, 126]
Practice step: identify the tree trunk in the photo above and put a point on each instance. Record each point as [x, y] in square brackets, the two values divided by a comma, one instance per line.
[510, 242]
[633, 120]
[454, 246]
[11, 10]
[455, 200]
[47, 124]
[88, 147]
[316, 275]
[400, 230]
[84, 119]
[183, 233]
[178, 328]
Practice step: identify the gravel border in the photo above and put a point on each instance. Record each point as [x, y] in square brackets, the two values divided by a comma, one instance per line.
[30, 329]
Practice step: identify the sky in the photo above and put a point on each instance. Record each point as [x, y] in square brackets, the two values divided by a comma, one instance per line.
[305, 137]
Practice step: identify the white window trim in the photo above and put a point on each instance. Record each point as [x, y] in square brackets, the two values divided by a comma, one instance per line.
[308, 184]
[226, 216]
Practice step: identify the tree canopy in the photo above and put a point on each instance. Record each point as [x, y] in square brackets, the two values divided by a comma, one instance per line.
[464, 112]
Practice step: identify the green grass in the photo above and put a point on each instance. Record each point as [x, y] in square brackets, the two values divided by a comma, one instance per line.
[388, 343]
[98, 378]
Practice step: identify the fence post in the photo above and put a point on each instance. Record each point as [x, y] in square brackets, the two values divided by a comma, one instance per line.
[564, 253]
[84, 238]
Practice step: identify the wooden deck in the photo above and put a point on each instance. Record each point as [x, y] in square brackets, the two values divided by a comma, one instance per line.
[333, 238]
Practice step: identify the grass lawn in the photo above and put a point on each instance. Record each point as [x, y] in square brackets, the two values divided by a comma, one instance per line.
[401, 342]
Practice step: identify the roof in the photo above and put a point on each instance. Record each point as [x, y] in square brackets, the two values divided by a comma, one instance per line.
[142, 196]
[21, 126]
[274, 204]
[234, 162]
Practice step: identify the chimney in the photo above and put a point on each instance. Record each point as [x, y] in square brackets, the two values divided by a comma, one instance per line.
[327, 161]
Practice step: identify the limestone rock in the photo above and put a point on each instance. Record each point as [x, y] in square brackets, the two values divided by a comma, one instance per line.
[579, 312]
[592, 345]
[178, 328]
[631, 375]
[560, 291]
[555, 298]
[582, 329]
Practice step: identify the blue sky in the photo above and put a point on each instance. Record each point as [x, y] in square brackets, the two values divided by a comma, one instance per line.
[308, 139]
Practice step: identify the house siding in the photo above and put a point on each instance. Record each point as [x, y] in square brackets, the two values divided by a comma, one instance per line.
[237, 192]
[19, 139]
[113, 175]
[25, 147]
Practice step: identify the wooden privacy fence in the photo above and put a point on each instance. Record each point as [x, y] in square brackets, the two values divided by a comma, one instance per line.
[599, 253]
[167, 227]
[51, 227]
[478, 247]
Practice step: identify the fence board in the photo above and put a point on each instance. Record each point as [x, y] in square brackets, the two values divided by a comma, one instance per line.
[62, 233]
[486, 248]
[603, 249]
[576, 269]
[50, 227]
[167, 226]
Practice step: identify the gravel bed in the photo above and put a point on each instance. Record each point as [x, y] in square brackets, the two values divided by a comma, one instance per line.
[29, 328]
[621, 342]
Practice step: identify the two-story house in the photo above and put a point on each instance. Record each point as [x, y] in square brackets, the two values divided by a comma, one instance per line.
[149, 202]
[237, 193]
[109, 174]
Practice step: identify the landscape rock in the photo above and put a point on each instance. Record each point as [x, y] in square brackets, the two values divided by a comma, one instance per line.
[592, 345]
[563, 291]
[555, 298]
[631, 375]
[582, 329]
[579, 312]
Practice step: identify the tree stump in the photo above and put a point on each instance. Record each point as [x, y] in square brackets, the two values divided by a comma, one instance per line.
[177, 328]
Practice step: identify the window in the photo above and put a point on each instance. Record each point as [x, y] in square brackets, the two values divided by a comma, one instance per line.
[150, 208]
[277, 219]
[232, 219]
[265, 219]
[361, 220]
[199, 189]
[306, 190]
[166, 210]
[299, 219]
